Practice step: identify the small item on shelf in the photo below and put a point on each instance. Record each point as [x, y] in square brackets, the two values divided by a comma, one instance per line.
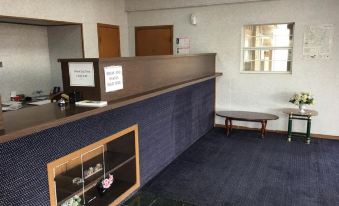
[105, 184]
[66, 97]
[89, 172]
[92, 170]
[18, 98]
[11, 106]
[74, 201]
[77, 180]
[85, 174]
[15, 99]
[98, 167]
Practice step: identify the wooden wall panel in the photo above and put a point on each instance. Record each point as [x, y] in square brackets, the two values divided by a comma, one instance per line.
[145, 74]
[92, 93]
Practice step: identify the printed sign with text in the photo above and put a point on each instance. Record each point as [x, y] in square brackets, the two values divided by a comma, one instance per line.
[81, 74]
[113, 78]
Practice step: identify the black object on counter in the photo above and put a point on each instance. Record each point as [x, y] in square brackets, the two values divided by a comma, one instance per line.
[75, 97]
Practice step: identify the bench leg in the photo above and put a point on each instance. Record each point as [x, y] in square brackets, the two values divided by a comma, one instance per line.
[226, 126]
[263, 128]
[231, 125]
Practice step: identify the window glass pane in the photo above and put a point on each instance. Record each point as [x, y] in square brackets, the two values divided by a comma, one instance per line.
[268, 54]
[276, 54]
[267, 66]
[269, 30]
[268, 47]
[251, 55]
[275, 41]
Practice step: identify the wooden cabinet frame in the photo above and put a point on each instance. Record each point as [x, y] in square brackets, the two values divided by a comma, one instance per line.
[52, 165]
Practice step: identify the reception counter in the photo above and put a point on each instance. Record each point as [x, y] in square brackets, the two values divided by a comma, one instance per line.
[170, 119]
[34, 119]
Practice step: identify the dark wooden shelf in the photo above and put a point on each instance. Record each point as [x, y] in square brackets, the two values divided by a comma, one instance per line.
[118, 188]
[65, 187]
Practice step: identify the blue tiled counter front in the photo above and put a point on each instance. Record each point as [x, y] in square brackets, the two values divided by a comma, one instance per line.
[168, 124]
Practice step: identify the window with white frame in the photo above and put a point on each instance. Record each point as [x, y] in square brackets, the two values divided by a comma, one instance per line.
[267, 48]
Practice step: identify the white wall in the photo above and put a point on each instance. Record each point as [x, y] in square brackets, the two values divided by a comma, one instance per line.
[63, 42]
[143, 5]
[219, 30]
[88, 12]
[26, 65]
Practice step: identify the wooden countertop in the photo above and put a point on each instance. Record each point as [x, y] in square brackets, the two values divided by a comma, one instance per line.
[34, 119]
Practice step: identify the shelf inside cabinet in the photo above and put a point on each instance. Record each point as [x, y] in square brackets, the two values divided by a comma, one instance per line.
[118, 188]
[114, 160]
[65, 187]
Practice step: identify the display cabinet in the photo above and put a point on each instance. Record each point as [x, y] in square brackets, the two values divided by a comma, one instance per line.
[103, 173]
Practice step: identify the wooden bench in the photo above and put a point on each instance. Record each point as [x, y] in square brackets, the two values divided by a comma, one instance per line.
[246, 116]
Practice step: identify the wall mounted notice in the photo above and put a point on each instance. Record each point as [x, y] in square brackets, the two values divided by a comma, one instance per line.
[183, 45]
[113, 78]
[81, 74]
[318, 41]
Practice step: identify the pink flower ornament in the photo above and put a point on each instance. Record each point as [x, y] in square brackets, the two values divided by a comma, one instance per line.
[106, 183]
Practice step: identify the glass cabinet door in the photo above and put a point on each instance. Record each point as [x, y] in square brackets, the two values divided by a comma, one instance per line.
[68, 182]
[93, 167]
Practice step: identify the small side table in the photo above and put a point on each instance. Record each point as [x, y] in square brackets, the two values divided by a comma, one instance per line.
[306, 116]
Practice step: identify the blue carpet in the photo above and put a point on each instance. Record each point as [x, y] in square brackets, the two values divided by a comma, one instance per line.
[245, 170]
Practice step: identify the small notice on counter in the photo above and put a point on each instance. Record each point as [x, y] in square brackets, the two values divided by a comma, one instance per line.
[81, 74]
[113, 78]
[89, 103]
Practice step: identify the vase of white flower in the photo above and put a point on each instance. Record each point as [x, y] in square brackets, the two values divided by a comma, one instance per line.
[301, 100]
[302, 108]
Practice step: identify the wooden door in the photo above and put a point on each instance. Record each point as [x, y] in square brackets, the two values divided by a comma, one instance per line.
[108, 41]
[153, 40]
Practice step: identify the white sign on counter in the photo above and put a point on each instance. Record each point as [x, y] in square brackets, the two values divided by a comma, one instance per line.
[113, 78]
[81, 74]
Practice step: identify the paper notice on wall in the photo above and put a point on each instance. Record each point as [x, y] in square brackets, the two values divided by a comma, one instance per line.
[318, 41]
[183, 42]
[183, 51]
[183, 45]
[81, 74]
[113, 78]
